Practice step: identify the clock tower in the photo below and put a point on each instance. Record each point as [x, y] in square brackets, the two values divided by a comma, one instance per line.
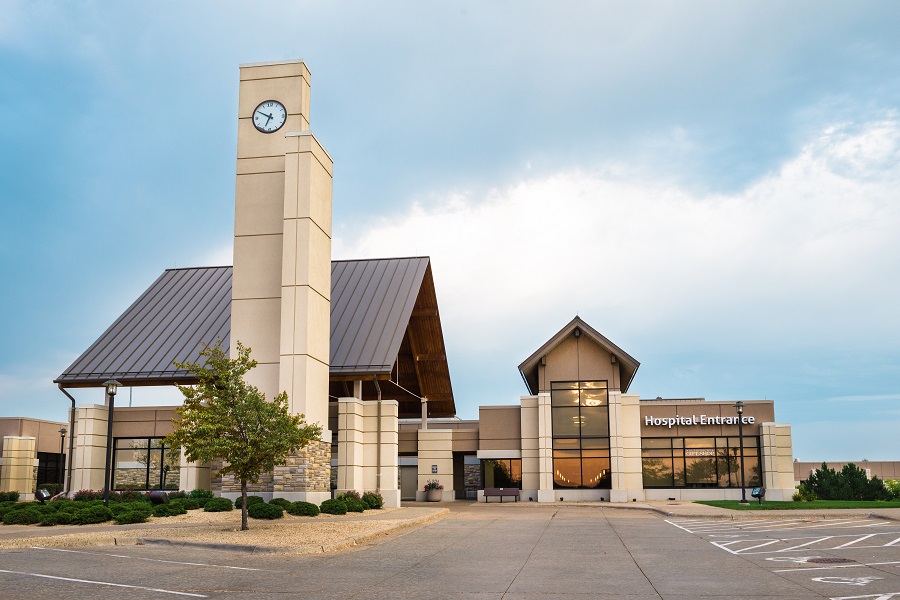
[281, 287]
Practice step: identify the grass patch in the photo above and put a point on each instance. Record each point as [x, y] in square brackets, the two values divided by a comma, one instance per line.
[790, 505]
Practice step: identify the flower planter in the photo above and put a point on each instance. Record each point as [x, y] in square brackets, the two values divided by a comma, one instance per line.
[434, 495]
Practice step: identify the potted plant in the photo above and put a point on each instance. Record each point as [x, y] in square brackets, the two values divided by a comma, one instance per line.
[434, 491]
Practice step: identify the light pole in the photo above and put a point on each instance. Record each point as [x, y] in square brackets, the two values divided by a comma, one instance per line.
[62, 459]
[739, 405]
[111, 386]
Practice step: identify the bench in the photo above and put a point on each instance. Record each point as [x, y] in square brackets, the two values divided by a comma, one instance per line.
[500, 492]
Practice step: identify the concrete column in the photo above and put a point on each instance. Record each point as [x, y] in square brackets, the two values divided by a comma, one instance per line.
[358, 448]
[531, 473]
[545, 493]
[90, 447]
[436, 461]
[194, 476]
[18, 466]
[777, 461]
[625, 447]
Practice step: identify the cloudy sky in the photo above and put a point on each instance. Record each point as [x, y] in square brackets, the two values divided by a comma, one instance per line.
[713, 186]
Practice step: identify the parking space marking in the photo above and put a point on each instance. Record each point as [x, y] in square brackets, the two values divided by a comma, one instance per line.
[764, 526]
[104, 583]
[848, 566]
[174, 562]
[883, 596]
[826, 542]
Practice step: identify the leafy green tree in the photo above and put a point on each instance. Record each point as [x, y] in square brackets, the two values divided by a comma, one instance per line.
[225, 417]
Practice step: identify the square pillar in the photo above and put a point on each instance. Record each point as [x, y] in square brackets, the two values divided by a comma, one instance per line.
[368, 448]
[18, 466]
[89, 461]
[436, 461]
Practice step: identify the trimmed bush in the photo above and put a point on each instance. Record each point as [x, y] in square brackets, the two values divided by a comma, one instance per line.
[250, 500]
[218, 505]
[198, 493]
[9, 496]
[349, 495]
[92, 514]
[5, 507]
[303, 509]
[169, 510]
[26, 516]
[58, 518]
[355, 505]
[373, 499]
[131, 516]
[261, 510]
[280, 502]
[191, 503]
[333, 507]
[177, 494]
[133, 496]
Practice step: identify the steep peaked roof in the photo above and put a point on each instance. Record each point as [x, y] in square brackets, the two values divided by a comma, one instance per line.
[628, 366]
[384, 324]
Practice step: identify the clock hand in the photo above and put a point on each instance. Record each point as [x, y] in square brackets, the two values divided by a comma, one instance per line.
[268, 116]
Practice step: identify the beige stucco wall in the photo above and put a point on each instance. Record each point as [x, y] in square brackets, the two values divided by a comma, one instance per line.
[500, 428]
[578, 359]
[18, 466]
[90, 447]
[778, 461]
[45, 433]
[436, 449]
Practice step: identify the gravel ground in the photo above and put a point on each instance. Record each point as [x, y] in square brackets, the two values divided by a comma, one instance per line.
[289, 535]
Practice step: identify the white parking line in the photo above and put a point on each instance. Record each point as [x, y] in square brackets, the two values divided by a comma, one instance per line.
[874, 564]
[174, 562]
[106, 583]
[745, 546]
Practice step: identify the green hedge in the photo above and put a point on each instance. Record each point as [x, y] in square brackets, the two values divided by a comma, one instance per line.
[218, 505]
[303, 509]
[238, 502]
[261, 510]
[333, 507]
[373, 500]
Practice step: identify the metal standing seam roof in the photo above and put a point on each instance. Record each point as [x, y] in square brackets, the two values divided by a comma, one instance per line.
[372, 302]
[167, 323]
[371, 305]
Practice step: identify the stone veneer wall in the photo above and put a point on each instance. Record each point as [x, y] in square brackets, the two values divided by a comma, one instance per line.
[472, 474]
[309, 470]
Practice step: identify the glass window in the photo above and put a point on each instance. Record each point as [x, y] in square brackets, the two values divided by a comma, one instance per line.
[580, 422]
[699, 462]
[504, 473]
[145, 464]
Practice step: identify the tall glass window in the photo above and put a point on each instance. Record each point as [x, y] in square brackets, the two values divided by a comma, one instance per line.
[502, 473]
[145, 464]
[699, 462]
[580, 419]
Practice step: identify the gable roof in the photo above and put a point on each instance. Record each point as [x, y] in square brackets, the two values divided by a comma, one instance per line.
[383, 313]
[628, 366]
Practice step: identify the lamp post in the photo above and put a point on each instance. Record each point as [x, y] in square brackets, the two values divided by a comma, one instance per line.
[739, 405]
[111, 387]
[62, 458]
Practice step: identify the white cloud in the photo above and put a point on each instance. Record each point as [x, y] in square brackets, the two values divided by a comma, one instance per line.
[804, 254]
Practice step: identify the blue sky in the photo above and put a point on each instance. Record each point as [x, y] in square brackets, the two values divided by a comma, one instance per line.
[713, 186]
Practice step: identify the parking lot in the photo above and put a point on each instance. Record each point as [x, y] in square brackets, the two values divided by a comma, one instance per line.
[508, 551]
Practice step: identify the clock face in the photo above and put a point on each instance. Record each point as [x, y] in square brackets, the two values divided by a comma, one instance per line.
[269, 116]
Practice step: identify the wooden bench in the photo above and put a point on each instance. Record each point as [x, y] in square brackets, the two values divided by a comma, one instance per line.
[500, 492]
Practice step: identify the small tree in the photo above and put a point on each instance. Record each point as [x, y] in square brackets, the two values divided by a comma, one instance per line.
[225, 417]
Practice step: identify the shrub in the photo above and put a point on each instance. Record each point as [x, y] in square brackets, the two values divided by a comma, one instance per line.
[804, 494]
[177, 494]
[133, 496]
[87, 496]
[280, 502]
[131, 516]
[373, 499]
[303, 509]
[356, 505]
[5, 507]
[218, 505]
[92, 514]
[191, 503]
[122, 508]
[9, 496]
[850, 484]
[349, 495]
[250, 500]
[893, 486]
[261, 510]
[333, 507]
[198, 494]
[169, 510]
[58, 518]
[26, 516]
